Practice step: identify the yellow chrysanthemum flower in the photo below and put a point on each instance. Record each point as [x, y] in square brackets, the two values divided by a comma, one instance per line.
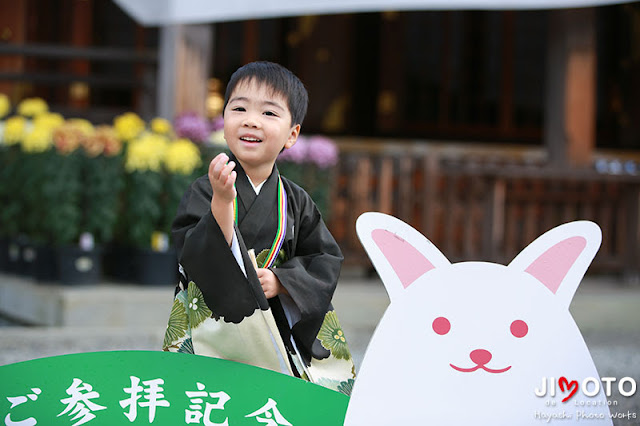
[81, 124]
[182, 156]
[5, 105]
[67, 138]
[32, 107]
[48, 120]
[37, 140]
[109, 140]
[14, 129]
[161, 126]
[128, 126]
[146, 153]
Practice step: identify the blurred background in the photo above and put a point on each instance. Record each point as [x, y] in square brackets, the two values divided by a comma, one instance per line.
[481, 128]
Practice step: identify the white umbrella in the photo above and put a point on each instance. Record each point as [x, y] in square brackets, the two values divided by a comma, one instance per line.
[164, 12]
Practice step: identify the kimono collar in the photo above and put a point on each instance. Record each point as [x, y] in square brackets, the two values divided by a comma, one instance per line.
[246, 196]
[246, 189]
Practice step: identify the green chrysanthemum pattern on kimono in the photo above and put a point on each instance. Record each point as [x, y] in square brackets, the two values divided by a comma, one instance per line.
[186, 347]
[262, 256]
[177, 326]
[197, 310]
[332, 337]
[346, 387]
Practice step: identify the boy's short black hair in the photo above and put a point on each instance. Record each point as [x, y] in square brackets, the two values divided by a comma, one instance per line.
[280, 79]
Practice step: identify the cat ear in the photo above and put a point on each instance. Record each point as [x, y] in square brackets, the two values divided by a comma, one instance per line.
[560, 257]
[399, 253]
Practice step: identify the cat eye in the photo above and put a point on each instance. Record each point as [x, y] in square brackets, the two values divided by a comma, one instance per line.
[519, 328]
[441, 326]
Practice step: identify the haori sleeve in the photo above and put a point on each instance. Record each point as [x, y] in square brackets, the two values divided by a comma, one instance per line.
[311, 274]
[207, 260]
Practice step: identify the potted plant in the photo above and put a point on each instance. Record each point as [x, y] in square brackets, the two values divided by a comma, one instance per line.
[104, 180]
[77, 258]
[11, 132]
[26, 142]
[310, 163]
[118, 253]
[144, 186]
[182, 163]
[34, 171]
[158, 263]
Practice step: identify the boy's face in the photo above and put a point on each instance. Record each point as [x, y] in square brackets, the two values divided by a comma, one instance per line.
[257, 124]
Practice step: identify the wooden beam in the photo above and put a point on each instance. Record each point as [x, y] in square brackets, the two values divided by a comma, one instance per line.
[570, 113]
[94, 54]
[49, 79]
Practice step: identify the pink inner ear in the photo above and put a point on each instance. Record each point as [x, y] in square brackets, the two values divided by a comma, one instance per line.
[407, 262]
[554, 264]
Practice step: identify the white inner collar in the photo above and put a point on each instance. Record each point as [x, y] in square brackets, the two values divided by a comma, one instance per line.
[256, 188]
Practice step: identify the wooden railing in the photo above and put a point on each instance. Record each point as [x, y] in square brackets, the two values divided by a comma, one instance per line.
[483, 204]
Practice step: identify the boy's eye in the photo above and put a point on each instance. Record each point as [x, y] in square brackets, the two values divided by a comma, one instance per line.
[270, 113]
[238, 109]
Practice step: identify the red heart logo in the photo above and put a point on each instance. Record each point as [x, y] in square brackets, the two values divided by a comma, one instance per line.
[572, 387]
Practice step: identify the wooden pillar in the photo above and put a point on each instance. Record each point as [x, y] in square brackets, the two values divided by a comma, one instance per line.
[391, 79]
[250, 50]
[506, 106]
[13, 30]
[144, 95]
[570, 110]
[184, 69]
[81, 36]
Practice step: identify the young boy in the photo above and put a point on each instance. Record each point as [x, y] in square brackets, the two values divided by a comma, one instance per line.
[276, 314]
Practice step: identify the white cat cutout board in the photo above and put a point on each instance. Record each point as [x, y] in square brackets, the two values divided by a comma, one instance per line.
[477, 343]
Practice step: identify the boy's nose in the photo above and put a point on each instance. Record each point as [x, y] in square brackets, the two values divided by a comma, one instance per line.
[251, 122]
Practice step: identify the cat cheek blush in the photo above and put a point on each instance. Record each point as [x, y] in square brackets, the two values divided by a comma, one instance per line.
[441, 326]
[519, 328]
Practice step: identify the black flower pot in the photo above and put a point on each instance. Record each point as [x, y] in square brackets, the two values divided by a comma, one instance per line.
[29, 253]
[4, 254]
[20, 256]
[119, 262]
[77, 266]
[14, 263]
[156, 268]
[45, 264]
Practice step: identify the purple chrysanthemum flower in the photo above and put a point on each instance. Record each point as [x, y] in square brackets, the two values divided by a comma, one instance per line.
[217, 123]
[322, 151]
[297, 153]
[191, 126]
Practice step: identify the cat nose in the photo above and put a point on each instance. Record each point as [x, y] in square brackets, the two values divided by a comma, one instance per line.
[480, 356]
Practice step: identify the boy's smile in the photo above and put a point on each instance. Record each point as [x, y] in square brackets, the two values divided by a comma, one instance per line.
[257, 126]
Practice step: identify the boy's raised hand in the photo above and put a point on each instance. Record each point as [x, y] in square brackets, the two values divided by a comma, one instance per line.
[222, 178]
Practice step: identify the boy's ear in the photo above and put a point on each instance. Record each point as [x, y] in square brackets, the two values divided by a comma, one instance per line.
[293, 137]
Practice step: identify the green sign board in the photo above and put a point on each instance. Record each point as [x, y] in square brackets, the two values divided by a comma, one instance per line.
[159, 388]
